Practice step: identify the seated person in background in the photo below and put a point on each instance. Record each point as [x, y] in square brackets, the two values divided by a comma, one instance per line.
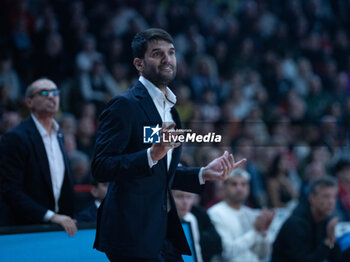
[98, 191]
[342, 173]
[308, 234]
[281, 189]
[242, 230]
[207, 241]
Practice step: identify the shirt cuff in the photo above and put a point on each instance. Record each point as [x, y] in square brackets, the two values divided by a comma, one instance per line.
[151, 163]
[200, 176]
[48, 215]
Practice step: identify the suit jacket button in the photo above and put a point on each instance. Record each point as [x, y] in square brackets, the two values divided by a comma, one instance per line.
[164, 208]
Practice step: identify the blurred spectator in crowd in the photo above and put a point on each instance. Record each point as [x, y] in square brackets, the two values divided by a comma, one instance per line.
[308, 234]
[68, 124]
[280, 187]
[10, 78]
[210, 109]
[242, 229]
[6, 103]
[257, 194]
[80, 167]
[89, 214]
[53, 62]
[205, 76]
[9, 120]
[317, 98]
[342, 173]
[97, 85]
[86, 135]
[34, 168]
[207, 241]
[184, 104]
[80, 164]
[313, 171]
[88, 55]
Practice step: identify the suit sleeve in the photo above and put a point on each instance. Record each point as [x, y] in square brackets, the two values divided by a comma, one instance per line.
[114, 157]
[187, 179]
[14, 157]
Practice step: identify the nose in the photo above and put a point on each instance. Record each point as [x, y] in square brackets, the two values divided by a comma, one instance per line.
[166, 58]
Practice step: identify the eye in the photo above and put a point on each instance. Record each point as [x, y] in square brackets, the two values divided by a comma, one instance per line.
[156, 54]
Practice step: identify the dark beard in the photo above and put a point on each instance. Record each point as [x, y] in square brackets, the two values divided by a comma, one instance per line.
[158, 79]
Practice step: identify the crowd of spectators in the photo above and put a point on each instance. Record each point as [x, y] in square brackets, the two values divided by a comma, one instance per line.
[272, 77]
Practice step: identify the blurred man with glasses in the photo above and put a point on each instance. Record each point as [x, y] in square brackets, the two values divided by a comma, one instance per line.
[35, 177]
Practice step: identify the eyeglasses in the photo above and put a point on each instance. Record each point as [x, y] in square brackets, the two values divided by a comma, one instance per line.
[54, 92]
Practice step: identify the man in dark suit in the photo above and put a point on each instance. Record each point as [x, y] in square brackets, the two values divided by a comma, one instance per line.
[36, 182]
[309, 233]
[137, 220]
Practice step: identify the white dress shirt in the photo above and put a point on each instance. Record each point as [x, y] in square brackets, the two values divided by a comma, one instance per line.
[56, 162]
[241, 242]
[163, 103]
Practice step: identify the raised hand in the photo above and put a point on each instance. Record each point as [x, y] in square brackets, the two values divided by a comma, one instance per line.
[221, 167]
[263, 220]
[330, 231]
[159, 150]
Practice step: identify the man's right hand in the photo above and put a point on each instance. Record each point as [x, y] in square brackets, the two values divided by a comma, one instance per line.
[68, 224]
[263, 220]
[159, 150]
[330, 240]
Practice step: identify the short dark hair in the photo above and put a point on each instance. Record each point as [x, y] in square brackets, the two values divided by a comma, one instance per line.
[322, 182]
[141, 39]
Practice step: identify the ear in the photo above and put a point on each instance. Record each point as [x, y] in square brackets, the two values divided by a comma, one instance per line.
[138, 63]
[93, 191]
[28, 101]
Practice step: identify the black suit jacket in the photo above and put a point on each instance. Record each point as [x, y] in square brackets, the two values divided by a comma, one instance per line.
[301, 239]
[25, 175]
[133, 219]
[87, 215]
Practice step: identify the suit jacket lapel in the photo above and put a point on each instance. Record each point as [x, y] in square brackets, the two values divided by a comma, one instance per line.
[177, 151]
[148, 106]
[39, 148]
[67, 173]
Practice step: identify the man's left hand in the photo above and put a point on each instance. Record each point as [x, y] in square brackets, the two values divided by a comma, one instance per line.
[221, 167]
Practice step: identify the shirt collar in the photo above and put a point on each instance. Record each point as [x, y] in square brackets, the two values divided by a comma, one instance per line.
[157, 94]
[41, 129]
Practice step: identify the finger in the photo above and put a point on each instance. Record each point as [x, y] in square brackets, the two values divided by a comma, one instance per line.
[230, 161]
[240, 163]
[72, 229]
[176, 145]
[227, 166]
[169, 127]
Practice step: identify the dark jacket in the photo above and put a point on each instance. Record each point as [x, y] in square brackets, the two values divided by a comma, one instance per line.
[25, 176]
[87, 215]
[133, 219]
[302, 240]
[210, 240]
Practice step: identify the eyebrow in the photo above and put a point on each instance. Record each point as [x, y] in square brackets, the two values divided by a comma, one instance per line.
[157, 49]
